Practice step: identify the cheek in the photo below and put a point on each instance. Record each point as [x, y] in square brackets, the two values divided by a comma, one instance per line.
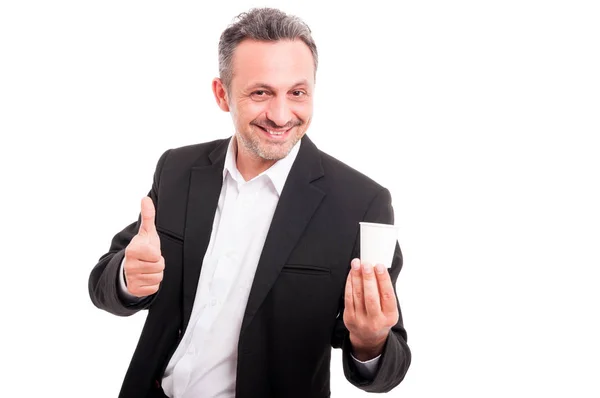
[303, 110]
[249, 111]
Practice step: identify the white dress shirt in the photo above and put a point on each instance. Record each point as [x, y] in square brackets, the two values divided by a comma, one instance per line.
[205, 362]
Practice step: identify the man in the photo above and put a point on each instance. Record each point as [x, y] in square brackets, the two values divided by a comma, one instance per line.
[245, 253]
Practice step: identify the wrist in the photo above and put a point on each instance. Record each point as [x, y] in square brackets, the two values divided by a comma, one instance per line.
[366, 350]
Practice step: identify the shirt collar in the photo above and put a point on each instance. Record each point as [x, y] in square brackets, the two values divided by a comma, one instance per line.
[277, 173]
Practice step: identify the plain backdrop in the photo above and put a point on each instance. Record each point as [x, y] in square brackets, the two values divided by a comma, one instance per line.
[481, 117]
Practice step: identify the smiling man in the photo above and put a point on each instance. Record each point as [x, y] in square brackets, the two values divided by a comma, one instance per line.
[269, 96]
[245, 252]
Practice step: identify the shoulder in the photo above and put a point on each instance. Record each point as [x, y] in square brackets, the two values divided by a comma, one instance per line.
[186, 157]
[341, 177]
[196, 152]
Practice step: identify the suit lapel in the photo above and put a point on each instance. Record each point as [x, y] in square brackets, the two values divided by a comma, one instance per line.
[297, 203]
[203, 197]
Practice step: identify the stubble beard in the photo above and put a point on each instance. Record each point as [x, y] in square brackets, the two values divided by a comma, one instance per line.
[269, 151]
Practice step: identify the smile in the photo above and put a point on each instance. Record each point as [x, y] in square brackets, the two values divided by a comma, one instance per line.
[275, 133]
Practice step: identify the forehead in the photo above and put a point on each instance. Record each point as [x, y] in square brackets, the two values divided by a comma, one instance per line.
[279, 64]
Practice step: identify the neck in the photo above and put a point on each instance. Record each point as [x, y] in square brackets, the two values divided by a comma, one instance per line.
[248, 164]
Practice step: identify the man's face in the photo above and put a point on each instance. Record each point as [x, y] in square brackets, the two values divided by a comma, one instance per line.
[271, 96]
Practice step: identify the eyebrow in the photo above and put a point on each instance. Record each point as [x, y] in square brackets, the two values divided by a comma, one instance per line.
[302, 82]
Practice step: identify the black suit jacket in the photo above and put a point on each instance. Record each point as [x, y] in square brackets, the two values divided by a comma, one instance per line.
[295, 308]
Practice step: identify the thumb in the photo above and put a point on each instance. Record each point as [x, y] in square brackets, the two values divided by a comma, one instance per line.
[147, 226]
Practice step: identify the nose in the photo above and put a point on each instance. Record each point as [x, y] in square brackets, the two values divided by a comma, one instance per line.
[279, 111]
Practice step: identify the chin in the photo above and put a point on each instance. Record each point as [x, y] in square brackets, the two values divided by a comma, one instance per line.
[274, 152]
[265, 148]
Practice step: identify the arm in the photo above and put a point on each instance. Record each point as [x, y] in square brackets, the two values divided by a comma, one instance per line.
[395, 354]
[104, 284]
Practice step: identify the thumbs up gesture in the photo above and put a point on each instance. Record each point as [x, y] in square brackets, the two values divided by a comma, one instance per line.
[144, 264]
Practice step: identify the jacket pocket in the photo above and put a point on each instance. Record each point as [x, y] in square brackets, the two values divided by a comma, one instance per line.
[307, 269]
[163, 233]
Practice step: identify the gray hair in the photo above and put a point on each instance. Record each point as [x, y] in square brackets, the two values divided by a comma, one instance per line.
[262, 24]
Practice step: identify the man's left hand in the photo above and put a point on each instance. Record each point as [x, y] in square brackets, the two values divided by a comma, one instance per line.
[370, 310]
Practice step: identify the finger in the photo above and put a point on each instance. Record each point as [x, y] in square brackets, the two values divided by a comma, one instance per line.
[349, 298]
[387, 296]
[357, 287]
[149, 279]
[147, 226]
[146, 290]
[150, 267]
[140, 280]
[135, 267]
[371, 290]
[143, 251]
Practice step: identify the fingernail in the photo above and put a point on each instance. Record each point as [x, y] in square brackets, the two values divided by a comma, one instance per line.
[380, 268]
[367, 268]
[356, 264]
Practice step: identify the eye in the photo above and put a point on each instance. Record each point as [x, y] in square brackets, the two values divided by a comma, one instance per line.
[260, 95]
[298, 93]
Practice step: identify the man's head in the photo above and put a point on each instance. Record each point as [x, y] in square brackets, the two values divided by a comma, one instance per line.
[267, 65]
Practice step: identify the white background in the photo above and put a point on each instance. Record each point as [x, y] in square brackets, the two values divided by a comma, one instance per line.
[481, 117]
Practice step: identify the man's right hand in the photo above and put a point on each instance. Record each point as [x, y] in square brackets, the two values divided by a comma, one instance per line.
[144, 263]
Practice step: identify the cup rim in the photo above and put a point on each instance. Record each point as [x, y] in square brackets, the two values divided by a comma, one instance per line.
[378, 225]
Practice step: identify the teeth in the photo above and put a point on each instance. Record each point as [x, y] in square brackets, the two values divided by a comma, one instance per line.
[275, 132]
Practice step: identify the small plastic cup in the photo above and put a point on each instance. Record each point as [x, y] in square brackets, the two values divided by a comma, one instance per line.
[377, 243]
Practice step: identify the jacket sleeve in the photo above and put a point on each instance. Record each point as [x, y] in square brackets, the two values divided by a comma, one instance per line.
[103, 283]
[395, 359]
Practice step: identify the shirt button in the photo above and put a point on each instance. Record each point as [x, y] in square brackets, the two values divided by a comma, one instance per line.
[213, 302]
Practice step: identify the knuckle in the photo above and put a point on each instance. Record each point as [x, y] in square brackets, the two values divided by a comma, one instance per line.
[349, 320]
[152, 252]
[130, 250]
[388, 295]
[130, 266]
[155, 255]
[134, 252]
[155, 279]
[371, 300]
[157, 268]
[364, 326]
[373, 327]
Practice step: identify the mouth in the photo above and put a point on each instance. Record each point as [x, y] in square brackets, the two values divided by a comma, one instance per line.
[276, 134]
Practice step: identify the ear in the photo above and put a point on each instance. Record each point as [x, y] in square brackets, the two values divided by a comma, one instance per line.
[220, 94]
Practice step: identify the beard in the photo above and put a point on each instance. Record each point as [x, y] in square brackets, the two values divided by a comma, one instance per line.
[257, 145]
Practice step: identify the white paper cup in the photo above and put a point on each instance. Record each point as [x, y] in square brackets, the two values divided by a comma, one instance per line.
[377, 243]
